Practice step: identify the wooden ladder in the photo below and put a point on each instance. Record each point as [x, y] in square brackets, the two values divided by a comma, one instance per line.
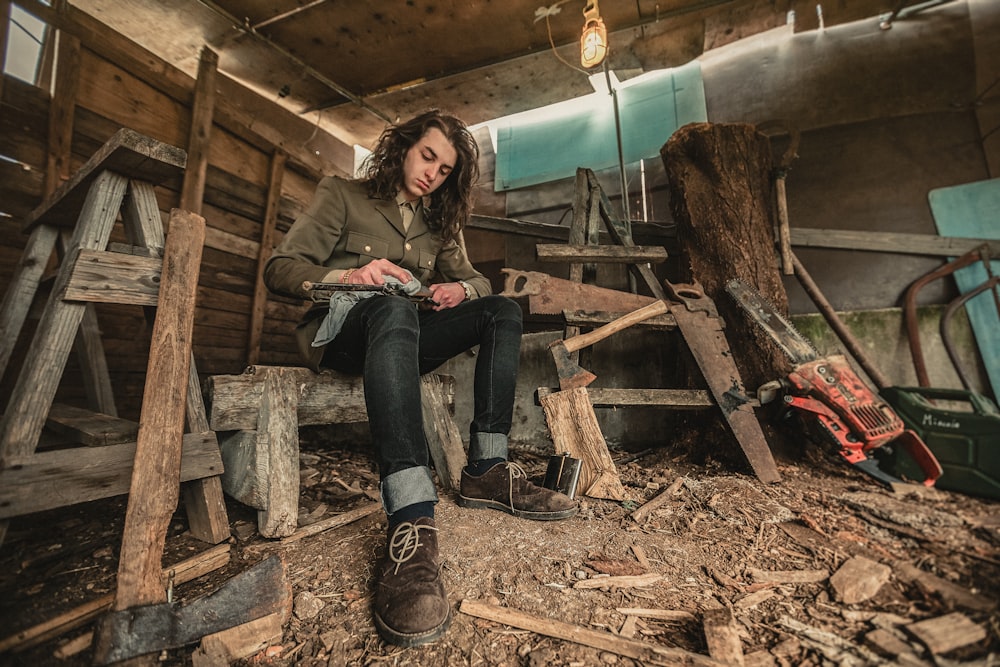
[118, 179]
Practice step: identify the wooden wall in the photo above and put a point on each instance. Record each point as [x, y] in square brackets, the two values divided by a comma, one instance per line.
[117, 84]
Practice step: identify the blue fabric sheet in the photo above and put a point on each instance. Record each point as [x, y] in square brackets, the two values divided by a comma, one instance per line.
[549, 144]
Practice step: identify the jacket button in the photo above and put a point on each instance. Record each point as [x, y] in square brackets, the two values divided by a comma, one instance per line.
[409, 247]
[368, 248]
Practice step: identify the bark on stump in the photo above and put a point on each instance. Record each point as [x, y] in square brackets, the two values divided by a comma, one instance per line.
[721, 199]
[720, 188]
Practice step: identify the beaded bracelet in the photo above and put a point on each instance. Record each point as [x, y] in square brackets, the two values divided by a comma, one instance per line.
[346, 276]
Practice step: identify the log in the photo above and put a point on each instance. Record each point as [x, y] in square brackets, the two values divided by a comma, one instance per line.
[574, 429]
[720, 193]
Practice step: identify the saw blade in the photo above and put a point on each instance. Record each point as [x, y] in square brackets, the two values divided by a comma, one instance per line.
[767, 317]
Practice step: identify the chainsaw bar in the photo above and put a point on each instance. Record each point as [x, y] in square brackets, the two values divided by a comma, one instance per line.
[766, 316]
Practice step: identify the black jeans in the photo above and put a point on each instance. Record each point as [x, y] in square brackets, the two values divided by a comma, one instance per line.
[392, 343]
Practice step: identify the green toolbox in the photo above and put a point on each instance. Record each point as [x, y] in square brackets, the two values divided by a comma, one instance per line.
[961, 428]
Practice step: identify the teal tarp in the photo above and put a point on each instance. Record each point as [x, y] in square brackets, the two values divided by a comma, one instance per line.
[973, 211]
[551, 143]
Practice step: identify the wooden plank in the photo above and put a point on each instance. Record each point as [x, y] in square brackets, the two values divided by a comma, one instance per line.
[333, 522]
[574, 429]
[547, 252]
[443, 436]
[22, 288]
[46, 480]
[906, 244]
[46, 358]
[101, 276]
[203, 107]
[267, 243]
[93, 429]
[277, 420]
[646, 232]
[592, 318]
[651, 654]
[155, 487]
[127, 152]
[61, 109]
[94, 364]
[609, 397]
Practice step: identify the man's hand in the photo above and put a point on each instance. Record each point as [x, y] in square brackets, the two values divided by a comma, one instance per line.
[447, 295]
[372, 273]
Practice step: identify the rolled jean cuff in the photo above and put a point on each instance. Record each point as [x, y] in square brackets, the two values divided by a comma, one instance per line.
[487, 446]
[408, 486]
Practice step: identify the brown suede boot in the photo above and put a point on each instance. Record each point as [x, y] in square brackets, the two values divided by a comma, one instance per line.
[411, 607]
[505, 487]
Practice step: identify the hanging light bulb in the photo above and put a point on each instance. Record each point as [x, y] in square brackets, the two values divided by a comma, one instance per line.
[594, 40]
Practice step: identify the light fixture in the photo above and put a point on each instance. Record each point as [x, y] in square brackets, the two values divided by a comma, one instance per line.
[594, 40]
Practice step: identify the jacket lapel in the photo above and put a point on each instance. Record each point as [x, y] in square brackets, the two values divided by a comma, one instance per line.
[390, 211]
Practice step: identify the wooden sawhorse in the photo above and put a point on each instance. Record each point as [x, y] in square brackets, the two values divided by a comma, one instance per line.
[118, 178]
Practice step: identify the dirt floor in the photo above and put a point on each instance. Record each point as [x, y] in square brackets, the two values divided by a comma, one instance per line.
[827, 567]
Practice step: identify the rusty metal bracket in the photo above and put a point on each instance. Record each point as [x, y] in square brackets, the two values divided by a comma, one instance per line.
[977, 254]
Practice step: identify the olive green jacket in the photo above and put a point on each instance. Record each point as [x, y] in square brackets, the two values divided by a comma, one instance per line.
[344, 228]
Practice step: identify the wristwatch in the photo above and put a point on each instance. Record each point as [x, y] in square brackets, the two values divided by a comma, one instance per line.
[468, 289]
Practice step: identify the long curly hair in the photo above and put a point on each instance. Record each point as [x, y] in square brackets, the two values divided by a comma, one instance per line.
[451, 204]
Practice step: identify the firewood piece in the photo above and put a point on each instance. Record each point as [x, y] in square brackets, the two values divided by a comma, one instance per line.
[223, 648]
[443, 437]
[155, 488]
[332, 522]
[574, 429]
[604, 641]
[93, 429]
[722, 636]
[788, 576]
[859, 579]
[658, 614]
[947, 633]
[950, 592]
[643, 512]
[183, 572]
[623, 581]
[886, 641]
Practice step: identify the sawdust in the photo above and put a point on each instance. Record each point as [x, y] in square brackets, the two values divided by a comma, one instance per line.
[721, 540]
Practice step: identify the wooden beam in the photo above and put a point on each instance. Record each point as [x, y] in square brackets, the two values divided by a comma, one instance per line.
[200, 139]
[677, 399]
[264, 250]
[607, 254]
[155, 487]
[101, 276]
[905, 244]
[61, 110]
[62, 477]
[171, 81]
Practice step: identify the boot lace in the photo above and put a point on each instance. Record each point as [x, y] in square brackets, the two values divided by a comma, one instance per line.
[516, 472]
[405, 542]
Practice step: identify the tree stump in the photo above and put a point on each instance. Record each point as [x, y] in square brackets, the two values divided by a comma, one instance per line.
[720, 194]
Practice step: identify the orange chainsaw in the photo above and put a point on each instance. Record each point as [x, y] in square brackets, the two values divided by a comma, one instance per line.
[834, 404]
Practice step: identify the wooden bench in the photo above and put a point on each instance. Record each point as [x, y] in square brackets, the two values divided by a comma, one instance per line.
[257, 415]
